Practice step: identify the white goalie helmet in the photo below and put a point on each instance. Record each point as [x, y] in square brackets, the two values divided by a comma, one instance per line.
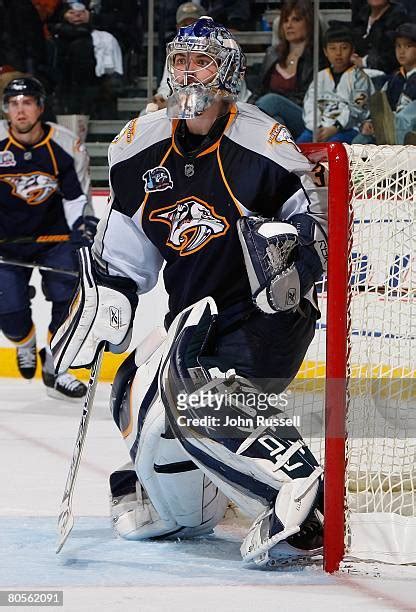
[204, 63]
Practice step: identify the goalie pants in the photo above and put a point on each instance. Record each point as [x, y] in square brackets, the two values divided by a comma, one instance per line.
[15, 307]
[268, 349]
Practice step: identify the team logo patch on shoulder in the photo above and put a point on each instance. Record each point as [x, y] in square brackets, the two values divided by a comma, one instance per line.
[34, 188]
[192, 224]
[7, 159]
[157, 179]
[279, 134]
[128, 132]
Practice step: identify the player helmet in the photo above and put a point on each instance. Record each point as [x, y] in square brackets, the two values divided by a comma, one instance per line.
[24, 86]
[192, 92]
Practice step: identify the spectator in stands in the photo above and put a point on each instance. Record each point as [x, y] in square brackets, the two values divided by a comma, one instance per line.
[22, 44]
[374, 48]
[343, 93]
[46, 8]
[288, 68]
[234, 14]
[393, 110]
[88, 59]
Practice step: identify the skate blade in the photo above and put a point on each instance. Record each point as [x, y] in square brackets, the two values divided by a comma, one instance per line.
[288, 556]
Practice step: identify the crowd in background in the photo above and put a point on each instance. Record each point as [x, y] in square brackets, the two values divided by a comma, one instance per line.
[91, 52]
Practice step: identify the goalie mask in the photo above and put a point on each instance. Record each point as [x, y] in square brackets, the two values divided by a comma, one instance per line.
[204, 63]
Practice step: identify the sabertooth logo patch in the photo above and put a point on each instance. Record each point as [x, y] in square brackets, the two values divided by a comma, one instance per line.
[157, 179]
[192, 224]
[279, 134]
[34, 188]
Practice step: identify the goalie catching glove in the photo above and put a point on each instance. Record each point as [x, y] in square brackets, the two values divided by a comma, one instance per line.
[282, 264]
[102, 311]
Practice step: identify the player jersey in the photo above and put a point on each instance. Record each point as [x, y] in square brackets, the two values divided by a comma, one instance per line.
[43, 187]
[345, 102]
[181, 208]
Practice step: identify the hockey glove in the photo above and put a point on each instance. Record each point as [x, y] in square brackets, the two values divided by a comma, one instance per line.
[102, 311]
[83, 231]
[281, 267]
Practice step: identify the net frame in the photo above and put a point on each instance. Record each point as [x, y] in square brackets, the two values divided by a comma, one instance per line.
[385, 175]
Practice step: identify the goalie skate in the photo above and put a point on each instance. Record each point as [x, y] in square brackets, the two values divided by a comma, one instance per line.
[302, 548]
[285, 533]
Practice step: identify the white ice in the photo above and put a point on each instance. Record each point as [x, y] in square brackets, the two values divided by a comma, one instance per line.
[96, 570]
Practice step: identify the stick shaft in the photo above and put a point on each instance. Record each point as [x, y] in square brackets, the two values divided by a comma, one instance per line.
[36, 239]
[24, 264]
[66, 518]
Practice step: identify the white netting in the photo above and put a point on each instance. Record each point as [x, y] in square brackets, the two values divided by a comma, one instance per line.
[381, 421]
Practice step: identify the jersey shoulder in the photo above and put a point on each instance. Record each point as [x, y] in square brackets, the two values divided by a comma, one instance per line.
[262, 135]
[4, 130]
[138, 135]
[63, 137]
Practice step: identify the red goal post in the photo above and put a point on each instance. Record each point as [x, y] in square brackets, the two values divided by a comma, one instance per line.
[368, 365]
[334, 156]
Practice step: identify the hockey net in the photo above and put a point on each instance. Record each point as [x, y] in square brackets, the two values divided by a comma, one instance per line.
[356, 392]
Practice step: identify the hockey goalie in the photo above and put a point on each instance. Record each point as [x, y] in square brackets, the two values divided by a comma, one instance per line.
[219, 195]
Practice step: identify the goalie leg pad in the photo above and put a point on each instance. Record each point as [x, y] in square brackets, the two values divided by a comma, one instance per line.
[184, 498]
[268, 464]
[171, 495]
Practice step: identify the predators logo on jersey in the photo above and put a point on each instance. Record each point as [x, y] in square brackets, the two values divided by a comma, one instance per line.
[34, 188]
[279, 133]
[192, 224]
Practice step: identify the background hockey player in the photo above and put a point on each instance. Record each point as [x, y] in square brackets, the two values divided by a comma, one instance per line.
[44, 184]
[221, 194]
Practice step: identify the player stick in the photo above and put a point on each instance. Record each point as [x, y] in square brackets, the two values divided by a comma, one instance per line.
[24, 264]
[66, 518]
[36, 239]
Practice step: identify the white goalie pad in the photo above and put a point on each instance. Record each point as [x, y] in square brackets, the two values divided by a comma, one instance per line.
[276, 475]
[172, 497]
[98, 314]
[183, 497]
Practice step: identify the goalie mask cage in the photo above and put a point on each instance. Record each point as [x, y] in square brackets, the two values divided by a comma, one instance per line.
[362, 385]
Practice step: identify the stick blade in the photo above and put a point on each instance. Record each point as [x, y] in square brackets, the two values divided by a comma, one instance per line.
[65, 524]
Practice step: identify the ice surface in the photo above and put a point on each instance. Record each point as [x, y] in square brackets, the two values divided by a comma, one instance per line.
[98, 571]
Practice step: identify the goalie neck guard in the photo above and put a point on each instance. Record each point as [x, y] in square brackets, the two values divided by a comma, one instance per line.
[195, 86]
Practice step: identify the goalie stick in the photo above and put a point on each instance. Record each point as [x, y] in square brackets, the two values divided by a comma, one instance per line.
[66, 518]
[23, 264]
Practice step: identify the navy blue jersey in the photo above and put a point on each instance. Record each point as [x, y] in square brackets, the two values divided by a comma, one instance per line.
[171, 206]
[401, 90]
[44, 187]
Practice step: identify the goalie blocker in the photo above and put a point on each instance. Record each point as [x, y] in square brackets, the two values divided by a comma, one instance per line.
[102, 310]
